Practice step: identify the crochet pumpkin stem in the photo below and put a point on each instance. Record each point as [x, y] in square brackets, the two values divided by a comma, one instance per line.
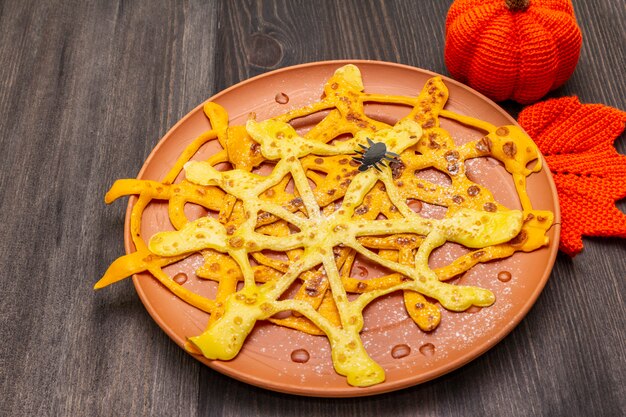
[517, 5]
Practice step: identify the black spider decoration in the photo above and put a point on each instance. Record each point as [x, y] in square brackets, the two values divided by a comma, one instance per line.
[374, 155]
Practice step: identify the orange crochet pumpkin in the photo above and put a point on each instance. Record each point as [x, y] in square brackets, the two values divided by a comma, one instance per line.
[512, 49]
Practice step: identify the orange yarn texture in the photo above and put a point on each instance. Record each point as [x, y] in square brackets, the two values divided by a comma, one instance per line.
[590, 175]
[508, 53]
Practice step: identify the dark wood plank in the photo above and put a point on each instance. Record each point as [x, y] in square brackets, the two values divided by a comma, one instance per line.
[86, 91]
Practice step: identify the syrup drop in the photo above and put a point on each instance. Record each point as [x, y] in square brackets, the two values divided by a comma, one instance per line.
[428, 349]
[400, 351]
[300, 356]
[504, 276]
[180, 278]
[281, 98]
[415, 205]
[363, 272]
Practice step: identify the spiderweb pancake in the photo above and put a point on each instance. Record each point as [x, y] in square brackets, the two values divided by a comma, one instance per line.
[272, 190]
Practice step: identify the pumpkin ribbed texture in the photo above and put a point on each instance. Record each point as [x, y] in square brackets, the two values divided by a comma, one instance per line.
[506, 54]
[590, 175]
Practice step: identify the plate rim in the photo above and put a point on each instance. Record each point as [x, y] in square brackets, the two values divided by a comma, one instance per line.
[349, 391]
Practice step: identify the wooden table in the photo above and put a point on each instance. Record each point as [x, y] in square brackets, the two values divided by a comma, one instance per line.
[86, 91]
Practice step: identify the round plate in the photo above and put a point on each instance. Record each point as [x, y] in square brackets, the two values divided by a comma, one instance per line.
[265, 359]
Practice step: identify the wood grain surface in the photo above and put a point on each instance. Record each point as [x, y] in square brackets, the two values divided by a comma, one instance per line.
[88, 88]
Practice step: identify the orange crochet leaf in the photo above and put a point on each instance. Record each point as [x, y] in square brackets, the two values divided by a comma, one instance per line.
[590, 175]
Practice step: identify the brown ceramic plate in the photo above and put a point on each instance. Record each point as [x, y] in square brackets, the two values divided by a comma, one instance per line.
[265, 360]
